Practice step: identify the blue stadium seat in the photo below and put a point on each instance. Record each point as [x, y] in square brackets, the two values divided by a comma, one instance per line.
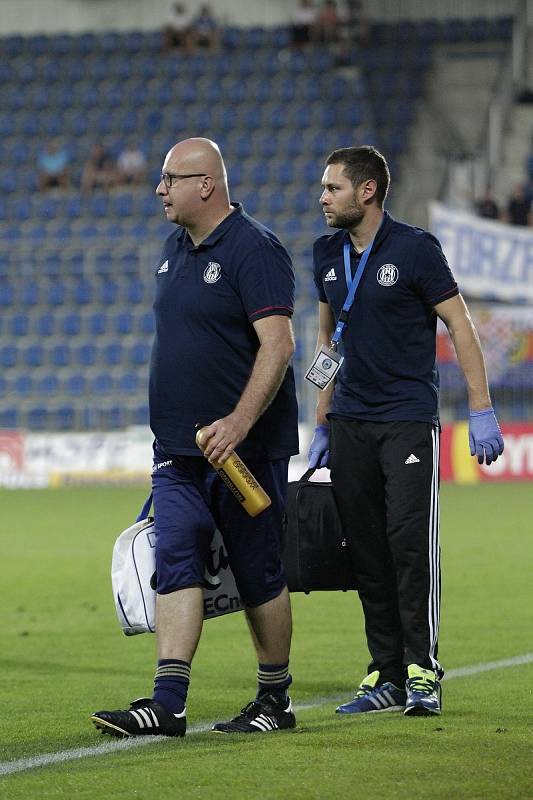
[23, 385]
[122, 205]
[75, 384]
[7, 294]
[97, 323]
[146, 323]
[45, 324]
[112, 354]
[135, 291]
[10, 418]
[99, 205]
[34, 355]
[64, 418]
[251, 202]
[129, 383]
[113, 417]
[20, 324]
[242, 147]
[108, 292]
[301, 202]
[292, 226]
[86, 354]
[47, 384]
[37, 418]
[30, 294]
[123, 323]
[102, 383]
[73, 207]
[56, 294]
[139, 414]
[104, 263]
[60, 355]
[21, 209]
[88, 231]
[82, 293]
[292, 145]
[70, 324]
[276, 202]
[9, 356]
[139, 354]
[63, 231]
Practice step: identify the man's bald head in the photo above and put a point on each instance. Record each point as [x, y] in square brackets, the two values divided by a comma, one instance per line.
[194, 186]
[196, 155]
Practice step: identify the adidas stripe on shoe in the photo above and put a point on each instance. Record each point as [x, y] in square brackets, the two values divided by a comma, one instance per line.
[372, 699]
[145, 717]
[265, 713]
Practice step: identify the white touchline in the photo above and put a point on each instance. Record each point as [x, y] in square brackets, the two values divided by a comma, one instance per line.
[46, 759]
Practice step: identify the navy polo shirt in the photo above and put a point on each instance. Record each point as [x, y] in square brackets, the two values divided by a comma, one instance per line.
[205, 345]
[389, 343]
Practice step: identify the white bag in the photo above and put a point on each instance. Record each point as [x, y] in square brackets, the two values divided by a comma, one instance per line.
[133, 579]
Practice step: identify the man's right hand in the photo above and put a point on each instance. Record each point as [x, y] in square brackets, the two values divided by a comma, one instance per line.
[319, 450]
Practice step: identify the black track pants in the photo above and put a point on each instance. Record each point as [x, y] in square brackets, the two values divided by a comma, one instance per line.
[385, 478]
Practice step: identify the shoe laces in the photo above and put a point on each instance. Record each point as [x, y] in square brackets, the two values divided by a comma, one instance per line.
[259, 705]
[421, 684]
[363, 690]
[250, 710]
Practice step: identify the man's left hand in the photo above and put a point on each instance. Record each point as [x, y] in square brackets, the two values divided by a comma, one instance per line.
[485, 436]
[223, 436]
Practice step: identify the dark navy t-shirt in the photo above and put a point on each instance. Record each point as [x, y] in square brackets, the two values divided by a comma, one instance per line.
[207, 298]
[389, 343]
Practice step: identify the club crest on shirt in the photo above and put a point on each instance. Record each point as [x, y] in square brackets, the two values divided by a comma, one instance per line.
[212, 272]
[387, 275]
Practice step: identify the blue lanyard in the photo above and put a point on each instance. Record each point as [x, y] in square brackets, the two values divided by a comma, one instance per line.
[352, 284]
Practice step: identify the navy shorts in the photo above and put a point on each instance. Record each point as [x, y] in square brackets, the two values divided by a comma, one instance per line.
[190, 501]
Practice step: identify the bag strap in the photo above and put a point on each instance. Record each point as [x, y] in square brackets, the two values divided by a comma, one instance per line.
[145, 509]
[307, 474]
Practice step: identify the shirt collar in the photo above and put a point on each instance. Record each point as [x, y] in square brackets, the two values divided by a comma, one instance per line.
[381, 233]
[215, 235]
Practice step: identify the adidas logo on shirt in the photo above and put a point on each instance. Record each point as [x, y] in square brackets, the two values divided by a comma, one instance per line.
[412, 459]
[163, 268]
[330, 276]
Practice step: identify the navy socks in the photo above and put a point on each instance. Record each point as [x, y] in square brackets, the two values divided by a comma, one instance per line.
[171, 683]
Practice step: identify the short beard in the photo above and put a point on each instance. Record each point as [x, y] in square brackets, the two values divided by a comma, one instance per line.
[348, 220]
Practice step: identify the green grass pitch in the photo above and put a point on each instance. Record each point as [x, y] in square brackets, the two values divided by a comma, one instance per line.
[62, 656]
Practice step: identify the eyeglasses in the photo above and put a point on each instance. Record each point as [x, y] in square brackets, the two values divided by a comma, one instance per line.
[169, 179]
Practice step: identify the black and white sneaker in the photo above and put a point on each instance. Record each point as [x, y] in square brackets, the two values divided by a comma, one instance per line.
[265, 713]
[144, 717]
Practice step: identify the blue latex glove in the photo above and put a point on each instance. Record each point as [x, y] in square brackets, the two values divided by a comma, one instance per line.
[485, 436]
[319, 450]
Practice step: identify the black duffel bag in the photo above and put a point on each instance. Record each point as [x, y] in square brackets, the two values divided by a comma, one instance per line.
[315, 554]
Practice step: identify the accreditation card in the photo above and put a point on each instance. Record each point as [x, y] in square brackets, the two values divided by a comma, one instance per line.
[325, 366]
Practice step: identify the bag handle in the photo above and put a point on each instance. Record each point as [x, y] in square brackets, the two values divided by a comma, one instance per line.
[307, 474]
[145, 509]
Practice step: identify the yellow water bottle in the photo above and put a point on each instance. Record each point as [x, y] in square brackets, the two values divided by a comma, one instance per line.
[240, 481]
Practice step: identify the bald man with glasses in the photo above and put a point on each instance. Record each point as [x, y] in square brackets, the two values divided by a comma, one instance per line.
[220, 360]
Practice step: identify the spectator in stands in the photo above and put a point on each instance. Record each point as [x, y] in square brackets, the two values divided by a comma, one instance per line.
[303, 23]
[327, 23]
[131, 165]
[519, 208]
[356, 25]
[204, 29]
[487, 207]
[177, 32]
[100, 171]
[52, 163]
